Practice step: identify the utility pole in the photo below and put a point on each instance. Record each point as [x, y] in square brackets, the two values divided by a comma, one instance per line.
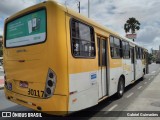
[66, 3]
[79, 6]
[88, 8]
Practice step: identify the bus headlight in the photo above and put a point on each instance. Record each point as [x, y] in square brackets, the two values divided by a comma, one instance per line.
[50, 83]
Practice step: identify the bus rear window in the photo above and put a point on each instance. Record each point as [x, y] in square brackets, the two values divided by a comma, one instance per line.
[26, 30]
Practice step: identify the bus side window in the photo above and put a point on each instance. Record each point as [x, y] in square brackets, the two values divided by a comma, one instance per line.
[112, 46]
[115, 47]
[140, 55]
[82, 39]
[126, 50]
[137, 53]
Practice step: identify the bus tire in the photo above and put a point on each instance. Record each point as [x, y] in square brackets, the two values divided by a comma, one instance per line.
[142, 78]
[121, 86]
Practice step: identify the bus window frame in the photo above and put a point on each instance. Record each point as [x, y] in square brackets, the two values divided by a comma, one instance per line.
[19, 16]
[116, 47]
[138, 55]
[81, 57]
[123, 53]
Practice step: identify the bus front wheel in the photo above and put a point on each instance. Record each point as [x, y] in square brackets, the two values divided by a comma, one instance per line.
[121, 87]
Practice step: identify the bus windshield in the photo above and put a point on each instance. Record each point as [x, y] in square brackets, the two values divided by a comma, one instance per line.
[26, 30]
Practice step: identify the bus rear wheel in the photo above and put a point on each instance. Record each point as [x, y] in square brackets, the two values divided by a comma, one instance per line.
[121, 87]
[142, 78]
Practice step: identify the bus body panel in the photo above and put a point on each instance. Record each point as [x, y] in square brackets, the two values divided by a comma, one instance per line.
[80, 83]
[115, 74]
[116, 70]
[76, 88]
[35, 68]
[128, 71]
[139, 69]
[56, 105]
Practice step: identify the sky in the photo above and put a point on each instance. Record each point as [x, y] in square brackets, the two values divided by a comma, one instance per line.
[110, 13]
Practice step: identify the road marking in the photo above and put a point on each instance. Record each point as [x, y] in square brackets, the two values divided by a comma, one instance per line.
[145, 82]
[130, 95]
[114, 106]
[139, 87]
[153, 72]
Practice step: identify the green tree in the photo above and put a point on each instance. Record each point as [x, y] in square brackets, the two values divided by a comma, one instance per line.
[150, 58]
[131, 25]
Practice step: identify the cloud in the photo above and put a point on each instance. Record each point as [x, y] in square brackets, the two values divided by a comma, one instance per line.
[9, 7]
[148, 34]
[114, 14]
[110, 13]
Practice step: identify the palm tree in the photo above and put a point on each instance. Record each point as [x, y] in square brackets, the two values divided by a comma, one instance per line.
[131, 24]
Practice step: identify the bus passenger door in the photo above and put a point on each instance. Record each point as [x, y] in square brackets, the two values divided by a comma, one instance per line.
[102, 63]
[133, 63]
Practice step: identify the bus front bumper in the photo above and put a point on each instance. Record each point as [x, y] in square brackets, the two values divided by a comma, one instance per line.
[56, 105]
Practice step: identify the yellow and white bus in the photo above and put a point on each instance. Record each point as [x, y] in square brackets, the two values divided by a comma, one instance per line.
[58, 60]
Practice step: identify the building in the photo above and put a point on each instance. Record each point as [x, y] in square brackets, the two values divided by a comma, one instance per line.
[156, 54]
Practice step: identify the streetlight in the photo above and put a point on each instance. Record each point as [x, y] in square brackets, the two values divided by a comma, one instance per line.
[88, 8]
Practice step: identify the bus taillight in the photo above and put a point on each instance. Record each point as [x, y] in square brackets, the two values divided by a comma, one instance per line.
[50, 83]
[5, 82]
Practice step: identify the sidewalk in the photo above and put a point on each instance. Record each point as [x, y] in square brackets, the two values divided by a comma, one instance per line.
[148, 100]
[1, 77]
[1, 82]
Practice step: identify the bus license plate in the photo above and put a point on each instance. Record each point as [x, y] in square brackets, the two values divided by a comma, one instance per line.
[23, 84]
[9, 86]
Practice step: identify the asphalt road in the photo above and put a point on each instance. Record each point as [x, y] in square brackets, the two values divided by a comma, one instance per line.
[110, 104]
